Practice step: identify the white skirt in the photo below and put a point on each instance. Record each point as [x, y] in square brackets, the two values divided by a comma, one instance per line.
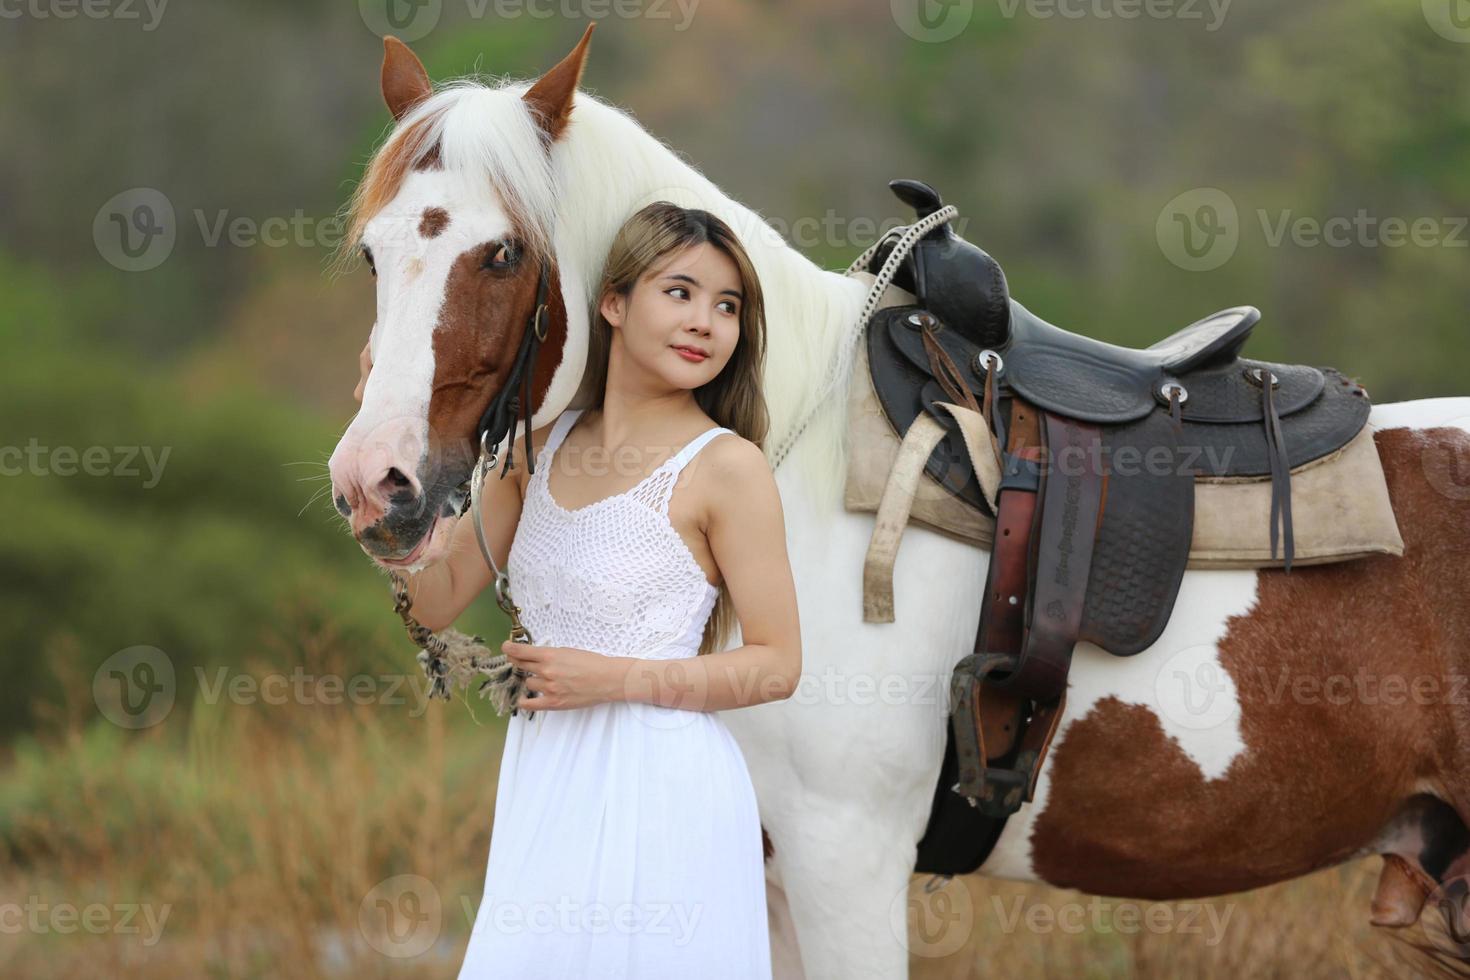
[626, 844]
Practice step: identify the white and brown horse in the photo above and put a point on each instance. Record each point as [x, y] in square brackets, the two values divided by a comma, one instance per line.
[1282, 723]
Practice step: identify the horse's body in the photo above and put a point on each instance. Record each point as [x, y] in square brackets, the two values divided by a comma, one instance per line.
[1234, 753]
[1152, 789]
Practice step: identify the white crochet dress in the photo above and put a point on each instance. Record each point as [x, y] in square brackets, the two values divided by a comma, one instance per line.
[626, 840]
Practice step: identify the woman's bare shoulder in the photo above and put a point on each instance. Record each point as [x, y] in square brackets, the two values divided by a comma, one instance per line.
[736, 467]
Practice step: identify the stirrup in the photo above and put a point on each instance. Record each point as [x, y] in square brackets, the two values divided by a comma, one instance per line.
[997, 790]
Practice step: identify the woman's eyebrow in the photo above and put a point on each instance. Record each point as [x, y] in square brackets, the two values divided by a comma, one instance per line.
[681, 277]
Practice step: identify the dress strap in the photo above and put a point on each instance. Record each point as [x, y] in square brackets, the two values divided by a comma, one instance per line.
[683, 456]
[559, 430]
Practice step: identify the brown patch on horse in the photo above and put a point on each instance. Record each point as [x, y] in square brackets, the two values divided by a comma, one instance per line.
[433, 222]
[550, 98]
[1328, 759]
[479, 330]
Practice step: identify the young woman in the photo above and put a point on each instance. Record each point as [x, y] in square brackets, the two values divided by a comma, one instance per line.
[626, 840]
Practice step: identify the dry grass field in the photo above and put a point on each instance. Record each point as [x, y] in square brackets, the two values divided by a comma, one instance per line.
[246, 838]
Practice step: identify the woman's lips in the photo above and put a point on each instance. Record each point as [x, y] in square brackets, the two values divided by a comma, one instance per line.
[689, 355]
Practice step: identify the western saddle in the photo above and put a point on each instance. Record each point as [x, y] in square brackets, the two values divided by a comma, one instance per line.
[1099, 449]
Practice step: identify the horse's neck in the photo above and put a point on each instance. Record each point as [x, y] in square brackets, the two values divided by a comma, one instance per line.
[613, 167]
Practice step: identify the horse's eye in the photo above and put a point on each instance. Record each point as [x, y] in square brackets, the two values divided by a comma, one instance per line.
[501, 255]
[367, 254]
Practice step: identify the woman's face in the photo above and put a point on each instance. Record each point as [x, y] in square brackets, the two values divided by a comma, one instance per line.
[691, 300]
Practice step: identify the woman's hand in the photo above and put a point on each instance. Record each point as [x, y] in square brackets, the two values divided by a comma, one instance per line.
[565, 677]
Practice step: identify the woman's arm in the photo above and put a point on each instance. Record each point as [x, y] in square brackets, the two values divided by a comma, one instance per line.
[444, 590]
[747, 534]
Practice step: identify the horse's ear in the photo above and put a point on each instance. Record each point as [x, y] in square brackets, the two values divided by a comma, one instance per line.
[405, 83]
[551, 97]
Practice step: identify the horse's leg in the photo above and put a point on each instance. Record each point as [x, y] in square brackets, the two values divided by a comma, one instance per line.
[785, 951]
[847, 884]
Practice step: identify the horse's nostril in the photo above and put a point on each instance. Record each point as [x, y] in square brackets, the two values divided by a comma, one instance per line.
[343, 507]
[397, 479]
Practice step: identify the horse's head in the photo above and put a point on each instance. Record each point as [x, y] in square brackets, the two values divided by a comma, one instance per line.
[456, 218]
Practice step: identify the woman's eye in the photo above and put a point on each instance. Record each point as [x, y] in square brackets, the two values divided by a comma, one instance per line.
[367, 254]
[678, 289]
[729, 306]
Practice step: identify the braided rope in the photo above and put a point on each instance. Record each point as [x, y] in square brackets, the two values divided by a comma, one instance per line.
[842, 366]
[450, 658]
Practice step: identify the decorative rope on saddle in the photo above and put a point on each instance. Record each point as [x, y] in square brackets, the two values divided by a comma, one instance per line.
[841, 368]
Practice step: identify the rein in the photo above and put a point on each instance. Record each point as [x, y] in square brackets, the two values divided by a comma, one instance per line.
[449, 657]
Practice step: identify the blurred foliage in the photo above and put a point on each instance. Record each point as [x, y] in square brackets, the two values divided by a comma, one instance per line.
[1060, 139]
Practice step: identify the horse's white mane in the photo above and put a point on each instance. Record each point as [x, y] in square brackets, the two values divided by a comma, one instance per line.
[603, 168]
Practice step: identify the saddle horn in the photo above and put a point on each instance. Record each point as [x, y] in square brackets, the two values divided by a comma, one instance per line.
[953, 279]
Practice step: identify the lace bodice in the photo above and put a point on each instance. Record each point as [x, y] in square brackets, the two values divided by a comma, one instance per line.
[614, 576]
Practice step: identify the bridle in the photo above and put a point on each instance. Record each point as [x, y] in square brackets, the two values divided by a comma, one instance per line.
[453, 656]
[499, 417]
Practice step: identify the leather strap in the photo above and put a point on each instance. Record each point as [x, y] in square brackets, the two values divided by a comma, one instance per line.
[1280, 470]
[1073, 488]
[893, 516]
[1002, 624]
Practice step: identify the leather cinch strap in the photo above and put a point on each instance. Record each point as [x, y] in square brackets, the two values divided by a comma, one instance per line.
[1047, 522]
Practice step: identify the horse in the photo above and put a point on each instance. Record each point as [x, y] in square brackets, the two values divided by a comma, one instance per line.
[1145, 794]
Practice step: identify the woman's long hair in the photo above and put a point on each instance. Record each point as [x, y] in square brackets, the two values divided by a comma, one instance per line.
[733, 398]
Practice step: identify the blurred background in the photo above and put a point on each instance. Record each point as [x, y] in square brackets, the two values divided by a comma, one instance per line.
[215, 757]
